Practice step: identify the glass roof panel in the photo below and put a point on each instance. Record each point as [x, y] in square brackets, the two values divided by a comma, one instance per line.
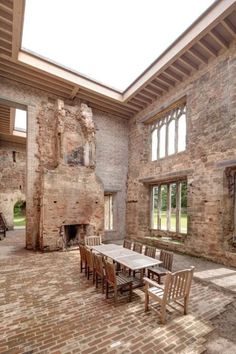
[110, 41]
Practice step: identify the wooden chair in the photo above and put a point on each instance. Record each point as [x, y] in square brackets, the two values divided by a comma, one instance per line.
[138, 247]
[118, 282]
[83, 260]
[127, 244]
[92, 241]
[99, 271]
[150, 251]
[89, 263]
[160, 271]
[176, 287]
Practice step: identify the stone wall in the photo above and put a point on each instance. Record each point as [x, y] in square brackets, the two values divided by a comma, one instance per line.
[111, 162]
[12, 177]
[210, 153]
[112, 165]
[71, 194]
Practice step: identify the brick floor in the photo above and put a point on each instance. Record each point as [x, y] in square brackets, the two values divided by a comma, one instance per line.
[47, 306]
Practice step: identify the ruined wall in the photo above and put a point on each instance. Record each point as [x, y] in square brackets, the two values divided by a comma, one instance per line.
[211, 150]
[112, 165]
[71, 193]
[109, 165]
[12, 177]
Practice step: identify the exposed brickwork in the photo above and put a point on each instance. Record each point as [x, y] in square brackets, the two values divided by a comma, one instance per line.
[112, 165]
[211, 132]
[61, 312]
[42, 152]
[12, 178]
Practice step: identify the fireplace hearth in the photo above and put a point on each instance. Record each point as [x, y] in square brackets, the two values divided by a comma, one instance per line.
[73, 235]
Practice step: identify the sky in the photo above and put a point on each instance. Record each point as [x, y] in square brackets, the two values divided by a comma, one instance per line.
[20, 119]
[110, 41]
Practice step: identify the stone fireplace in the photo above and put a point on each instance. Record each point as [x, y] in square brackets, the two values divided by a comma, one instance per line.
[72, 199]
[73, 235]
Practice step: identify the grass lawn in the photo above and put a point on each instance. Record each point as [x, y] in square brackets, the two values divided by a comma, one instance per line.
[183, 222]
[19, 220]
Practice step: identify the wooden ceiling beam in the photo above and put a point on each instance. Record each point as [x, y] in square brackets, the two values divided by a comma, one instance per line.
[11, 66]
[153, 87]
[6, 27]
[5, 8]
[160, 85]
[149, 93]
[5, 45]
[166, 80]
[35, 78]
[181, 69]
[103, 109]
[219, 39]
[110, 107]
[144, 98]
[229, 27]
[111, 103]
[198, 55]
[139, 100]
[7, 36]
[74, 92]
[172, 77]
[18, 15]
[5, 51]
[207, 47]
[137, 103]
[132, 107]
[33, 84]
[188, 62]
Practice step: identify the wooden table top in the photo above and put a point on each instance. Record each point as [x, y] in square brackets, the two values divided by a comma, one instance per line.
[126, 257]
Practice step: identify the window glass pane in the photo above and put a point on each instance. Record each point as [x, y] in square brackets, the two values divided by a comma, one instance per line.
[163, 216]
[182, 133]
[171, 138]
[183, 213]
[111, 211]
[154, 207]
[162, 141]
[173, 207]
[108, 212]
[154, 145]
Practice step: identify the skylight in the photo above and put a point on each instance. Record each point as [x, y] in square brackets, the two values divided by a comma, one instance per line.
[110, 41]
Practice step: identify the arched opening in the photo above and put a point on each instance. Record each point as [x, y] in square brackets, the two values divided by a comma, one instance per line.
[20, 214]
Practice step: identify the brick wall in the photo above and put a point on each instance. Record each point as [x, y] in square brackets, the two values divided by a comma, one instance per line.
[12, 178]
[111, 146]
[211, 147]
[112, 165]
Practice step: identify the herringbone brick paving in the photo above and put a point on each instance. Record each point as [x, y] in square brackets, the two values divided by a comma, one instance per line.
[47, 306]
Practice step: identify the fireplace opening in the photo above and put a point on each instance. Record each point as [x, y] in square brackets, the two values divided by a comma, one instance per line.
[73, 235]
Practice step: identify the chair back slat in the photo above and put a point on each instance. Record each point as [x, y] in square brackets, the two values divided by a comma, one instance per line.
[98, 264]
[110, 272]
[138, 247]
[89, 257]
[127, 244]
[82, 253]
[92, 241]
[177, 285]
[150, 251]
[167, 259]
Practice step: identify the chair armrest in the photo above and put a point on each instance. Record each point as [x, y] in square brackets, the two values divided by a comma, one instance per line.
[152, 282]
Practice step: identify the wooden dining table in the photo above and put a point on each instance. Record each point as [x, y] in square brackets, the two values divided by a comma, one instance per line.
[126, 257]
